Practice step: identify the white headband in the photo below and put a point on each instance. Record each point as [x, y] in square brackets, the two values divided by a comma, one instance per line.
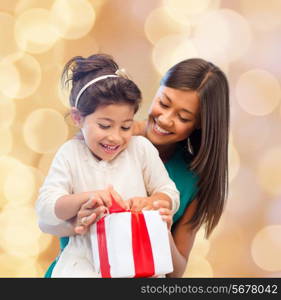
[90, 83]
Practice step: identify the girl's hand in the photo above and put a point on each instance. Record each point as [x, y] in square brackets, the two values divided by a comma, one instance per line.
[163, 206]
[139, 203]
[90, 212]
[147, 203]
[95, 208]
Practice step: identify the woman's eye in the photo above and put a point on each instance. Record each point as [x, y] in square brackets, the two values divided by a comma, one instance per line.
[163, 104]
[184, 120]
[104, 126]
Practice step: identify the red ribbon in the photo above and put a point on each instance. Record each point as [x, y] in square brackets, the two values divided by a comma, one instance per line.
[142, 251]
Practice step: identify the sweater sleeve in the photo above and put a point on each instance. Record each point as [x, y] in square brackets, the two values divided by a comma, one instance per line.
[57, 183]
[156, 177]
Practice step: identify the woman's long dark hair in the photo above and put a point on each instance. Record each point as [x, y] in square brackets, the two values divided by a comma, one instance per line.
[210, 142]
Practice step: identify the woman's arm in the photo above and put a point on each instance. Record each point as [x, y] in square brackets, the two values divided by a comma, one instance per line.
[182, 240]
[139, 127]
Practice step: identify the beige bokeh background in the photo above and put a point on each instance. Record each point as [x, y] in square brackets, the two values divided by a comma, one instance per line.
[146, 38]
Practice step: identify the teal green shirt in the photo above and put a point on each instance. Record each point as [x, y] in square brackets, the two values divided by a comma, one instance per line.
[185, 180]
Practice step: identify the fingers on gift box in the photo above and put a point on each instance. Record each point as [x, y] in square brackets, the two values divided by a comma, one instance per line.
[131, 244]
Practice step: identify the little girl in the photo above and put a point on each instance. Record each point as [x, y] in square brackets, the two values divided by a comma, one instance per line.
[103, 102]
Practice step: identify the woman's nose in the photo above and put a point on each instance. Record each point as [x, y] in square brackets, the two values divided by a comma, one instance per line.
[165, 120]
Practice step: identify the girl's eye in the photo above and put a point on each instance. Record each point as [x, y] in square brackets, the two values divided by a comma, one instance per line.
[104, 126]
[163, 104]
[125, 128]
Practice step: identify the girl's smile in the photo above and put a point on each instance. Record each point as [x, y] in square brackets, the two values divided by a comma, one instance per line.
[108, 130]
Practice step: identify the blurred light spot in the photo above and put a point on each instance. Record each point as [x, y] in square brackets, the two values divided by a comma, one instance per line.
[20, 75]
[29, 269]
[45, 241]
[45, 162]
[9, 78]
[263, 15]
[269, 171]
[10, 265]
[234, 161]
[24, 5]
[64, 97]
[198, 266]
[201, 245]
[8, 44]
[73, 18]
[23, 178]
[45, 130]
[183, 11]
[158, 24]
[258, 92]
[6, 139]
[51, 81]
[34, 31]
[244, 194]
[213, 32]
[273, 215]
[266, 248]
[19, 231]
[7, 164]
[245, 128]
[184, 50]
[229, 246]
[63, 94]
[7, 113]
[165, 54]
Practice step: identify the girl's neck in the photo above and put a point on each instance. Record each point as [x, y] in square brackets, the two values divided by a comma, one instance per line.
[166, 151]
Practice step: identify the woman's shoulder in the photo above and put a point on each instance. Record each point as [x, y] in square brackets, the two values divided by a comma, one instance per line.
[139, 127]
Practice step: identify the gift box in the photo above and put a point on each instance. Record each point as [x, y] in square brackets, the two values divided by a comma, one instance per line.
[131, 244]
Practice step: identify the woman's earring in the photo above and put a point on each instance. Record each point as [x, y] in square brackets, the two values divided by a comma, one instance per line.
[189, 147]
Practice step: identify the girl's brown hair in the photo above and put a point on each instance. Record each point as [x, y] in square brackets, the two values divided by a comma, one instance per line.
[79, 71]
[210, 142]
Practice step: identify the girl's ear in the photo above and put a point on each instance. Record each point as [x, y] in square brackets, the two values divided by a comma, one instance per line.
[76, 117]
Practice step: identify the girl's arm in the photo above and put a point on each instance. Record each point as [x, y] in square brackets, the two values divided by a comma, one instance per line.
[67, 206]
[64, 228]
[182, 240]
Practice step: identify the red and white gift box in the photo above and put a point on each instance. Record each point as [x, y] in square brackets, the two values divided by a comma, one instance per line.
[131, 244]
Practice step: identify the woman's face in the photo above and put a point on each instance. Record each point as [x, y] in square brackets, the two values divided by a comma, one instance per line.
[173, 115]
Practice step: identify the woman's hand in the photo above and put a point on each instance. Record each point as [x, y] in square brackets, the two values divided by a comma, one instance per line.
[167, 216]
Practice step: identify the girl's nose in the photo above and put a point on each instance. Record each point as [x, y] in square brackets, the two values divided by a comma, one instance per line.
[114, 137]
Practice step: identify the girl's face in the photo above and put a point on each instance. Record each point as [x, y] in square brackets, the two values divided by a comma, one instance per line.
[108, 130]
[173, 115]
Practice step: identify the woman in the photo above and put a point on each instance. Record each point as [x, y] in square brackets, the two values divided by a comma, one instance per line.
[188, 123]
